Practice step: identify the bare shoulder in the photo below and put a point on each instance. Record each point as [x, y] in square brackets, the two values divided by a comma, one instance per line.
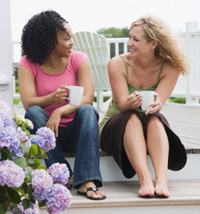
[169, 70]
[116, 64]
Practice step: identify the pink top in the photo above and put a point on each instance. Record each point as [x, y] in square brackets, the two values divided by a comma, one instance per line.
[48, 83]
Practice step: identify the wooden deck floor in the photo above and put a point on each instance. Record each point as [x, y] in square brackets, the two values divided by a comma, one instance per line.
[183, 119]
[185, 122]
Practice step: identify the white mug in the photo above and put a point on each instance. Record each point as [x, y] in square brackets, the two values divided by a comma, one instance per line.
[75, 95]
[147, 98]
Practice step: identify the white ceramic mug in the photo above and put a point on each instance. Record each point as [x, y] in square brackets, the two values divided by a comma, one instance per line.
[147, 98]
[75, 95]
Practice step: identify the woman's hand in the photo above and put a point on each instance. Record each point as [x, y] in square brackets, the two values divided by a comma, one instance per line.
[54, 121]
[134, 100]
[156, 105]
[61, 94]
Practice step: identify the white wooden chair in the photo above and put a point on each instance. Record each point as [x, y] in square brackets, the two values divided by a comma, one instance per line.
[95, 47]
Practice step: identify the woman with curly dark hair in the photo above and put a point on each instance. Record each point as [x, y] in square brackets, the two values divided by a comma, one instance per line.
[47, 68]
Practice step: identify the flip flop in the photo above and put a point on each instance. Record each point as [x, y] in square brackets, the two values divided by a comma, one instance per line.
[94, 189]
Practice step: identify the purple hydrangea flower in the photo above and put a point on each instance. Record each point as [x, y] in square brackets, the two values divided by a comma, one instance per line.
[35, 210]
[41, 182]
[19, 153]
[11, 174]
[38, 141]
[58, 199]
[7, 118]
[48, 137]
[1, 125]
[9, 138]
[59, 173]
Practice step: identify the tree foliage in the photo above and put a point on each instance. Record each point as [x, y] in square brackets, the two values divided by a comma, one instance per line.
[114, 32]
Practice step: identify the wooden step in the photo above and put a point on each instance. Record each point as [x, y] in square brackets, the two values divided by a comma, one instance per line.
[122, 197]
[111, 172]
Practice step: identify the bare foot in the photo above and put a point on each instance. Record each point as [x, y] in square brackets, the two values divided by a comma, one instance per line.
[161, 188]
[146, 187]
[92, 194]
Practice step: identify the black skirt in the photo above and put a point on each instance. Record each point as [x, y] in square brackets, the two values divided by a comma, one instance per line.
[112, 141]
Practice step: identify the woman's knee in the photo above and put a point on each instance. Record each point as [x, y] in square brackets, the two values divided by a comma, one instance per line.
[88, 111]
[133, 121]
[154, 122]
[33, 111]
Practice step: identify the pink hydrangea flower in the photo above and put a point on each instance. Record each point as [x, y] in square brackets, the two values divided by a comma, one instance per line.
[59, 173]
[58, 199]
[35, 210]
[11, 174]
[9, 138]
[48, 137]
[41, 182]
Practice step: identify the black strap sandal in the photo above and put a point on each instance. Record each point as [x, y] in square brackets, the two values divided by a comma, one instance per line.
[94, 189]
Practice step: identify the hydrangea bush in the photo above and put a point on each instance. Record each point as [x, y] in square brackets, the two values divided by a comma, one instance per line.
[25, 184]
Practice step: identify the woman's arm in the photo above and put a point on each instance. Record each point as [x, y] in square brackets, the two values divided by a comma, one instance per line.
[117, 76]
[28, 91]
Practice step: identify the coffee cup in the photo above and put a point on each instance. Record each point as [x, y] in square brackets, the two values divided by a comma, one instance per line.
[75, 95]
[147, 99]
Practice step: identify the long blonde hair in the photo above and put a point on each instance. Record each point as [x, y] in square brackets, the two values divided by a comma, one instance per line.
[168, 47]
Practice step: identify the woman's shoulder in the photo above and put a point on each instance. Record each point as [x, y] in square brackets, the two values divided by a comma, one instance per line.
[76, 59]
[118, 60]
[169, 67]
[78, 54]
[27, 63]
[117, 64]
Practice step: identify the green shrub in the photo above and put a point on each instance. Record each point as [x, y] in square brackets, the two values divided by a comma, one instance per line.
[177, 100]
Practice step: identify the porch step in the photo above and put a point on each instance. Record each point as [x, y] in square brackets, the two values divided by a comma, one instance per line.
[122, 197]
[111, 172]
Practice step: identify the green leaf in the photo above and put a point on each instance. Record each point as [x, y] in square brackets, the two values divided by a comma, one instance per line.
[26, 204]
[33, 165]
[30, 169]
[30, 194]
[3, 190]
[42, 167]
[41, 152]
[42, 204]
[33, 150]
[14, 196]
[20, 162]
[24, 147]
[36, 161]
[28, 176]
[24, 187]
[27, 133]
[5, 154]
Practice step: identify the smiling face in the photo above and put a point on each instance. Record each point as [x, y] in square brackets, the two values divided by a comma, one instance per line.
[137, 43]
[65, 42]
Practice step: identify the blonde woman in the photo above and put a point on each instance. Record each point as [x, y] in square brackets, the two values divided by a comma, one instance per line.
[154, 63]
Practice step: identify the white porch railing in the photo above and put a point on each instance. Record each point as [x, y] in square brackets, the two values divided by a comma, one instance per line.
[188, 87]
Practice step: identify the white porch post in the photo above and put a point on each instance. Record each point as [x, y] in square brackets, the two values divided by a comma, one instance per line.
[190, 27]
[6, 86]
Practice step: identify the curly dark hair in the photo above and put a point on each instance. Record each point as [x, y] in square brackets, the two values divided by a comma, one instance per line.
[39, 35]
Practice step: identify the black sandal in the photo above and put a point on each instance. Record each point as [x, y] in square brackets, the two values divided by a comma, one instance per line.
[94, 189]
